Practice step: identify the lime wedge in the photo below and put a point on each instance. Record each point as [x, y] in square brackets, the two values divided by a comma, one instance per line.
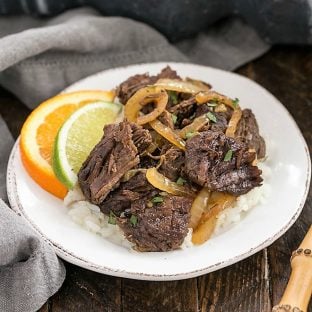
[77, 137]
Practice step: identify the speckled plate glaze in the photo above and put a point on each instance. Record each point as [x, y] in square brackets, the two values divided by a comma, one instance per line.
[288, 158]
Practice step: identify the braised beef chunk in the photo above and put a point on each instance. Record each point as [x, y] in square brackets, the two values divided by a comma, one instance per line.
[222, 118]
[157, 227]
[185, 110]
[166, 119]
[111, 158]
[127, 88]
[141, 137]
[173, 160]
[221, 163]
[114, 175]
[137, 187]
[248, 132]
[169, 73]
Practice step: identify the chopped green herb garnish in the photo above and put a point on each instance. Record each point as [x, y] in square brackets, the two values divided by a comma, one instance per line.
[173, 97]
[235, 102]
[112, 218]
[157, 199]
[133, 220]
[212, 104]
[181, 181]
[190, 134]
[228, 156]
[174, 118]
[211, 117]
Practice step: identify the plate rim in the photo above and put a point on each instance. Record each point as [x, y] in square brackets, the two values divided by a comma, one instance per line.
[17, 206]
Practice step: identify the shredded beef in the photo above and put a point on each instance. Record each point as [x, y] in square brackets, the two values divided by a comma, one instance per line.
[111, 158]
[169, 73]
[166, 119]
[120, 199]
[127, 88]
[173, 161]
[248, 132]
[161, 227]
[205, 164]
[141, 137]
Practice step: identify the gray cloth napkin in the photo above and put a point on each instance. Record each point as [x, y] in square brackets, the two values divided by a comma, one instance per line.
[30, 271]
[40, 57]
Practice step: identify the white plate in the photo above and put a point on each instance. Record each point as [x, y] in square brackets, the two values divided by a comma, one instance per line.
[288, 158]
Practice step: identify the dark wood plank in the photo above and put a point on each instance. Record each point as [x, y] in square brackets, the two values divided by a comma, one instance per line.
[84, 290]
[175, 296]
[46, 307]
[287, 73]
[243, 287]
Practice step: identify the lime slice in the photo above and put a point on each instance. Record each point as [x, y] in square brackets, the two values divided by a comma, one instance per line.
[77, 137]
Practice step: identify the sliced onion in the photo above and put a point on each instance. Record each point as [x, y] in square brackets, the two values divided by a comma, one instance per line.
[204, 97]
[167, 133]
[196, 125]
[235, 118]
[164, 184]
[143, 97]
[200, 204]
[221, 108]
[180, 86]
[255, 162]
[131, 173]
[218, 201]
[201, 84]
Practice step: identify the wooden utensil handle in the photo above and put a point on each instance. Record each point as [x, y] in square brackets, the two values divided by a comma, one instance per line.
[299, 288]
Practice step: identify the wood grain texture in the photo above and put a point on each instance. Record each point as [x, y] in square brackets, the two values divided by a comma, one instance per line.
[175, 296]
[287, 74]
[45, 307]
[243, 286]
[85, 290]
[252, 285]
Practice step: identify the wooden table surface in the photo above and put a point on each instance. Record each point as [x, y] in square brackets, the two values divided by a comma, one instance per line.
[255, 284]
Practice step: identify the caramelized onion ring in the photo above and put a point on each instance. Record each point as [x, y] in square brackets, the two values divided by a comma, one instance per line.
[204, 97]
[181, 86]
[167, 133]
[218, 202]
[235, 118]
[164, 184]
[196, 125]
[142, 97]
[200, 204]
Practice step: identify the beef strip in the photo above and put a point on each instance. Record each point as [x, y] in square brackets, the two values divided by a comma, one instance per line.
[166, 119]
[137, 187]
[168, 73]
[141, 137]
[127, 88]
[173, 161]
[161, 227]
[111, 158]
[248, 132]
[205, 164]
[185, 110]
[222, 118]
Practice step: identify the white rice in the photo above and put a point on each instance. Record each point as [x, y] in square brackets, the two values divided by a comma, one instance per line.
[244, 203]
[92, 219]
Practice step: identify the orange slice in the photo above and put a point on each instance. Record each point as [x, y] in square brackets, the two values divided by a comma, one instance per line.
[39, 132]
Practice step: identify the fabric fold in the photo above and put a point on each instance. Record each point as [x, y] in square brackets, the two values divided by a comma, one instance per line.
[30, 271]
